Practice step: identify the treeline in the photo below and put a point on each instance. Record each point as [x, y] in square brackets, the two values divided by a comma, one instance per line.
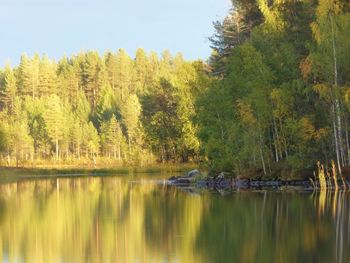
[280, 92]
[274, 97]
[90, 106]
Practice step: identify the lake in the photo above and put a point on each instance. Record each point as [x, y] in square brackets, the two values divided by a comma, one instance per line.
[141, 219]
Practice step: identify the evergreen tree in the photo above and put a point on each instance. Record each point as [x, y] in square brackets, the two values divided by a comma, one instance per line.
[112, 138]
[28, 76]
[91, 139]
[141, 71]
[54, 119]
[68, 80]
[124, 75]
[94, 76]
[20, 143]
[131, 114]
[106, 105]
[47, 77]
[35, 109]
[9, 89]
[111, 62]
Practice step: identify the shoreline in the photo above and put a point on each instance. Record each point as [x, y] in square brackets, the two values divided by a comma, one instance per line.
[14, 173]
[195, 180]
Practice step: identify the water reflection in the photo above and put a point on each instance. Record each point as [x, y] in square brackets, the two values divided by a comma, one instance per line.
[337, 202]
[112, 220]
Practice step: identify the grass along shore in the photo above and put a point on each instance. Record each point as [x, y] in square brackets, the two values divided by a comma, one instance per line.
[61, 171]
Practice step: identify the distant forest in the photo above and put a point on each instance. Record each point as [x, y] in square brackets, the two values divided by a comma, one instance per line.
[90, 106]
[272, 100]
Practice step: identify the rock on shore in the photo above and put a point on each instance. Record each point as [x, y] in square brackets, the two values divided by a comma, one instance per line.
[193, 179]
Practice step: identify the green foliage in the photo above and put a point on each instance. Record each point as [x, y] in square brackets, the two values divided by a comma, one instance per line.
[283, 96]
[9, 89]
[4, 140]
[112, 138]
[89, 106]
[168, 111]
[275, 94]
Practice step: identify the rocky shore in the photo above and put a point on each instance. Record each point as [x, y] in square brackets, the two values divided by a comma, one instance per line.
[222, 181]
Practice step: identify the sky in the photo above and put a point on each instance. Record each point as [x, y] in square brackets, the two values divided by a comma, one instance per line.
[58, 27]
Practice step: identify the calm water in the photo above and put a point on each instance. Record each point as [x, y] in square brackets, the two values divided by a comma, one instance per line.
[130, 219]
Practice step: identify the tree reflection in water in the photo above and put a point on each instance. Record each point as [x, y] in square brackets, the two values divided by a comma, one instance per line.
[111, 219]
[337, 202]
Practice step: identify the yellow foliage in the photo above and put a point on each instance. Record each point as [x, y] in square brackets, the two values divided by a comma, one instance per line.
[305, 67]
[322, 177]
[316, 32]
[281, 109]
[271, 14]
[347, 95]
[321, 133]
[326, 7]
[323, 90]
[307, 129]
[246, 113]
[309, 132]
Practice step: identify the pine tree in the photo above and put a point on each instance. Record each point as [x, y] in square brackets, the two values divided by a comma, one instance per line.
[68, 80]
[47, 77]
[91, 139]
[131, 114]
[124, 75]
[112, 138]
[94, 76]
[141, 71]
[106, 105]
[35, 109]
[9, 89]
[28, 76]
[111, 62]
[20, 143]
[54, 118]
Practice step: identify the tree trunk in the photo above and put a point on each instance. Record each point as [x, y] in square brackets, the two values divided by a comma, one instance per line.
[261, 153]
[57, 156]
[162, 153]
[129, 145]
[336, 139]
[262, 160]
[347, 141]
[275, 139]
[33, 157]
[17, 158]
[283, 139]
[78, 149]
[340, 133]
[337, 117]
[221, 128]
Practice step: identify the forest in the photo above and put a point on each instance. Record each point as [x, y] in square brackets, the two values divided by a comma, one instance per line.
[272, 99]
[105, 109]
[279, 96]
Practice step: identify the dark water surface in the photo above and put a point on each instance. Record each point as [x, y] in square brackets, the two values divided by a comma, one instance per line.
[139, 219]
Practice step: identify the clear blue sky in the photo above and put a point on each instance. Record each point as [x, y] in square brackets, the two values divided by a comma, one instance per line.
[58, 27]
